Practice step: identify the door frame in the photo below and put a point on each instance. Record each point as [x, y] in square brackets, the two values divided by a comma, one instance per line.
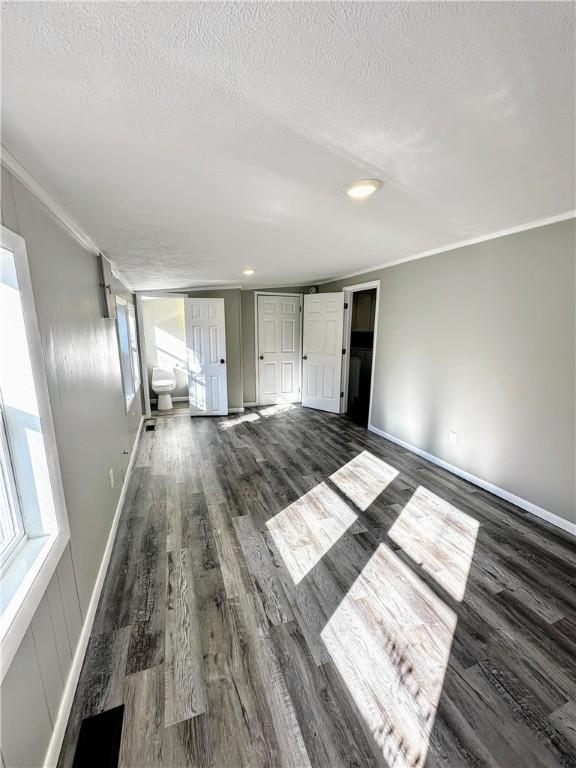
[277, 293]
[142, 339]
[349, 290]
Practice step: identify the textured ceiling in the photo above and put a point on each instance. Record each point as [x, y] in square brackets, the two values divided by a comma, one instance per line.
[193, 139]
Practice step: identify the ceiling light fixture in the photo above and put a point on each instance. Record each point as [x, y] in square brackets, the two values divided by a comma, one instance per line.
[248, 271]
[363, 188]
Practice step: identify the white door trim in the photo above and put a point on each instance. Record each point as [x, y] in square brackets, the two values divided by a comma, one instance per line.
[275, 293]
[350, 289]
[143, 361]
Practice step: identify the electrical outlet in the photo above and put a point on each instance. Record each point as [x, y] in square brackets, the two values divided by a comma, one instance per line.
[111, 473]
[452, 438]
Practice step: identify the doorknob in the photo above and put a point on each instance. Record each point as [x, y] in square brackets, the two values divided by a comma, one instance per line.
[222, 360]
[261, 357]
[305, 357]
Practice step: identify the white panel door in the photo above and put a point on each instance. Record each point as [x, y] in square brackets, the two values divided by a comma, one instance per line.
[278, 349]
[206, 353]
[322, 351]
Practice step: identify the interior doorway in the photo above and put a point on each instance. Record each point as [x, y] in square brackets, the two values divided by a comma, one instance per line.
[182, 353]
[359, 345]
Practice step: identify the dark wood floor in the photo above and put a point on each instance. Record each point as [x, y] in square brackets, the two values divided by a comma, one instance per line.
[287, 589]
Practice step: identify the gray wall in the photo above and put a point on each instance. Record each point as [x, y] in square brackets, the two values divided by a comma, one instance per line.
[481, 340]
[93, 431]
[248, 338]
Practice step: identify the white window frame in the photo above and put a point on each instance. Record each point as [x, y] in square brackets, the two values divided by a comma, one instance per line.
[131, 386]
[11, 512]
[27, 576]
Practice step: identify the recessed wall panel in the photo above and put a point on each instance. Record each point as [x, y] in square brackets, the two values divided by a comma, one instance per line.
[287, 377]
[315, 337]
[215, 392]
[213, 343]
[288, 336]
[269, 378]
[312, 380]
[314, 306]
[328, 381]
[268, 340]
[330, 337]
[197, 350]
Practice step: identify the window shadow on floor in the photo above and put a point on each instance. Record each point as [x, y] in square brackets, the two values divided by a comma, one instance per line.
[447, 612]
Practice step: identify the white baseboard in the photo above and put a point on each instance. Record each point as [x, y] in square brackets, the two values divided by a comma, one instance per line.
[182, 399]
[250, 405]
[57, 738]
[550, 517]
[235, 410]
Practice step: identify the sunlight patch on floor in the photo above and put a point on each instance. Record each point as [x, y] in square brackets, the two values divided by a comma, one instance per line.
[245, 418]
[307, 529]
[390, 634]
[438, 537]
[390, 639]
[272, 410]
[364, 478]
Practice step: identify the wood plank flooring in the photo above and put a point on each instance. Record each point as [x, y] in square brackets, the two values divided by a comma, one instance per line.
[287, 589]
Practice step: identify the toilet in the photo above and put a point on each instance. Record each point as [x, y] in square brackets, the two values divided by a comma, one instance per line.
[163, 382]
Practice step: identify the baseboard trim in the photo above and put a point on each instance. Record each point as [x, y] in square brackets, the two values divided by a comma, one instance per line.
[182, 399]
[250, 405]
[528, 506]
[59, 729]
[235, 410]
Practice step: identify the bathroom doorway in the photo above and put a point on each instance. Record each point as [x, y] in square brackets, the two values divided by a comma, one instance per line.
[359, 344]
[183, 353]
[162, 329]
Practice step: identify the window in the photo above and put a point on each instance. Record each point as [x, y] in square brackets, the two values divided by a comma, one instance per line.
[128, 343]
[33, 521]
[134, 346]
[11, 523]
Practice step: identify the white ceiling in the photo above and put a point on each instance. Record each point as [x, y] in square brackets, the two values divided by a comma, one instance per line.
[190, 140]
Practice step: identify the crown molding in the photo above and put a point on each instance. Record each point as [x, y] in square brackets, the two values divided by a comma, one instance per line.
[73, 227]
[461, 244]
[16, 168]
[217, 287]
[179, 292]
[276, 287]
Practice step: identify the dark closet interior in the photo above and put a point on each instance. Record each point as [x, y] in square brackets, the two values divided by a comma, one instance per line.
[361, 350]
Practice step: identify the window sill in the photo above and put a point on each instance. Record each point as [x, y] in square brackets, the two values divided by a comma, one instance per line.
[22, 587]
[130, 400]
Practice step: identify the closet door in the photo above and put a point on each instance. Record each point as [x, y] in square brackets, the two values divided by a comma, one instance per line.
[279, 330]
